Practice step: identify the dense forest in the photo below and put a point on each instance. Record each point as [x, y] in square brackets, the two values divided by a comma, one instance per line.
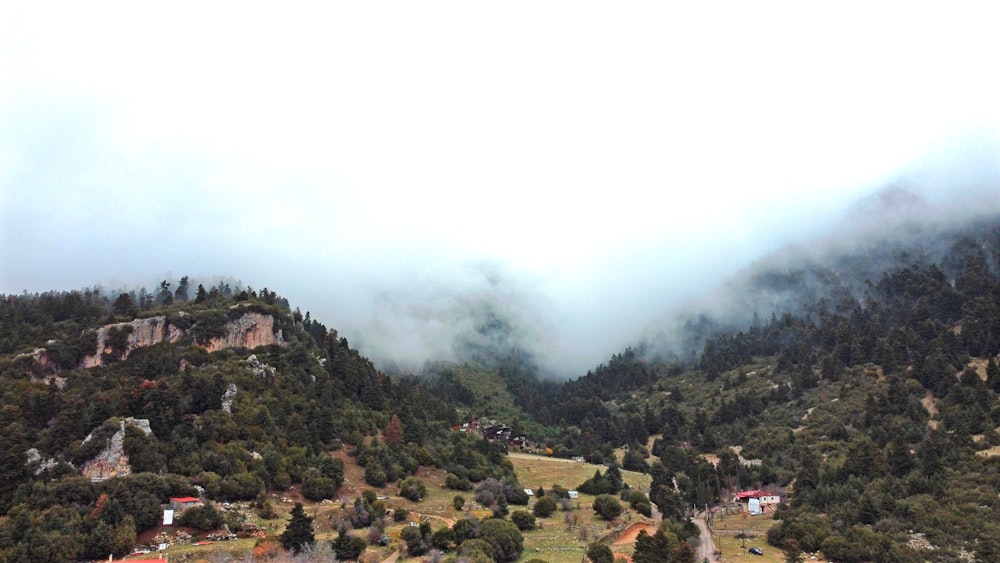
[871, 403]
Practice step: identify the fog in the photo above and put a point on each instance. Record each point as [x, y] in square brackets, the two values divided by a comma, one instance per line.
[571, 173]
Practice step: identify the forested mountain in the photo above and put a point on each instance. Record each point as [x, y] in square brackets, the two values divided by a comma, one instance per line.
[81, 370]
[871, 395]
[862, 380]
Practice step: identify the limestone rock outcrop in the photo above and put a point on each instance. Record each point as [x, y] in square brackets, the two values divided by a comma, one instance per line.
[227, 398]
[112, 461]
[44, 369]
[145, 332]
[249, 330]
[34, 456]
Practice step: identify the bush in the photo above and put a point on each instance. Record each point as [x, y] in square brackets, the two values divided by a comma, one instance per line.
[417, 542]
[400, 515]
[466, 529]
[640, 503]
[203, 518]
[412, 489]
[607, 507]
[600, 553]
[375, 475]
[634, 461]
[443, 538]
[477, 551]
[544, 507]
[523, 519]
[456, 483]
[458, 502]
[559, 492]
[505, 538]
[317, 487]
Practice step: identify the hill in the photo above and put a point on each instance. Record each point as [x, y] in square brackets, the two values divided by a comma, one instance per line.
[112, 404]
[857, 381]
[870, 396]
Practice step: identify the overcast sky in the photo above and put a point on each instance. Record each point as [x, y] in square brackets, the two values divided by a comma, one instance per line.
[385, 165]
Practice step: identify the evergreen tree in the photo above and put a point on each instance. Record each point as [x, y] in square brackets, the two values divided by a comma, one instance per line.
[299, 532]
[347, 547]
[124, 306]
[394, 432]
[993, 374]
[164, 297]
[181, 293]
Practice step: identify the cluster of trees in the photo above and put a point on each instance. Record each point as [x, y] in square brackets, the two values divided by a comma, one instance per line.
[493, 539]
[66, 517]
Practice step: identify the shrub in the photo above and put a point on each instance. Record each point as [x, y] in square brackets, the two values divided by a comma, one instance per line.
[203, 518]
[523, 519]
[412, 489]
[375, 475]
[456, 483]
[317, 487]
[505, 538]
[417, 543]
[443, 538]
[600, 553]
[544, 507]
[640, 503]
[607, 507]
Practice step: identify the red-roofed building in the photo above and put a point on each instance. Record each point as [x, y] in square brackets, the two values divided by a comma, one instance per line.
[757, 501]
[180, 504]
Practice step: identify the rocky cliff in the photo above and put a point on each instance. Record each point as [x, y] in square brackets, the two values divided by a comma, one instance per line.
[112, 461]
[144, 332]
[250, 330]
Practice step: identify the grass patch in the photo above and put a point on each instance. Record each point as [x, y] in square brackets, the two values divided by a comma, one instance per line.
[726, 528]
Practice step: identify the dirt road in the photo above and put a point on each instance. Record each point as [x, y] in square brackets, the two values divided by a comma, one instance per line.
[706, 547]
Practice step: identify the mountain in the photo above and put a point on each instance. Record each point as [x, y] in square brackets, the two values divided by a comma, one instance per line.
[855, 376]
[860, 376]
[113, 403]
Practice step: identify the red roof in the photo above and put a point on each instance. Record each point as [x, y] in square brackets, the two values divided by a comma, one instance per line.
[185, 499]
[753, 494]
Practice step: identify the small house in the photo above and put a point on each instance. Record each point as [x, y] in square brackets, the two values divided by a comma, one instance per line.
[757, 501]
[180, 504]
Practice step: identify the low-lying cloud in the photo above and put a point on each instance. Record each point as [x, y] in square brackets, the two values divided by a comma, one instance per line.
[570, 177]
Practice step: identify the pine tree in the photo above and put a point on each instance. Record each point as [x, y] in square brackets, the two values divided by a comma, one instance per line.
[993, 374]
[299, 532]
[394, 432]
[181, 293]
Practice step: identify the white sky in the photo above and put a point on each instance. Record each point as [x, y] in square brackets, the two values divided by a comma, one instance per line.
[371, 161]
